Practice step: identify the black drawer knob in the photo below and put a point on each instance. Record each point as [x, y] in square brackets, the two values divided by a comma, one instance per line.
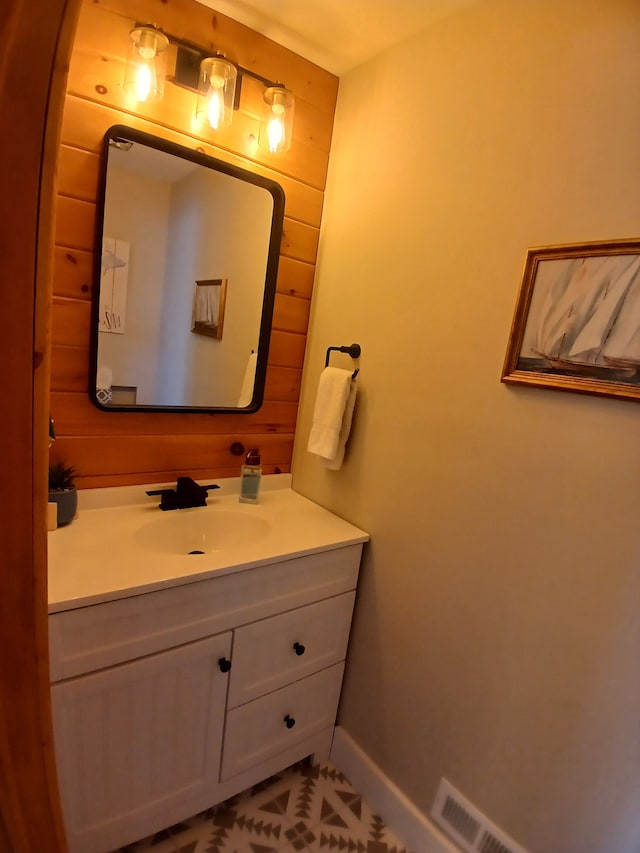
[289, 722]
[224, 664]
[299, 649]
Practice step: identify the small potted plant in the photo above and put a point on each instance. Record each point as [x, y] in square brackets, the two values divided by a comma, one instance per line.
[63, 492]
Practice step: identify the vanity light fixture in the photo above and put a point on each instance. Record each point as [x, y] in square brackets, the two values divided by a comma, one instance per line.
[146, 64]
[215, 79]
[276, 123]
[216, 91]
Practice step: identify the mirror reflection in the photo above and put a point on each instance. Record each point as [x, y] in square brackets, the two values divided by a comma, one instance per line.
[186, 279]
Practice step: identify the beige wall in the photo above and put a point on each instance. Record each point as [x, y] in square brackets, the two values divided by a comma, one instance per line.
[498, 622]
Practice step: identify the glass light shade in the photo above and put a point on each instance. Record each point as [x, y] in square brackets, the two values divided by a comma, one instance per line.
[146, 65]
[216, 91]
[276, 123]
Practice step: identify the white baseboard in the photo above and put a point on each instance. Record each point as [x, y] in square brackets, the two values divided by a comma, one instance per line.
[398, 812]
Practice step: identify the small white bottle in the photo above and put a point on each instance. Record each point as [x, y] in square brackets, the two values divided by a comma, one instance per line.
[250, 475]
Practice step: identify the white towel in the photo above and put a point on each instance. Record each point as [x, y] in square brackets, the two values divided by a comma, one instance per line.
[104, 378]
[249, 381]
[104, 381]
[336, 463]
[332, 416]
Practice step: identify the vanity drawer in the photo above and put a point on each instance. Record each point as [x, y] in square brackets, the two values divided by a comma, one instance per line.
[91, 638]
[263, 728]
[285, 648]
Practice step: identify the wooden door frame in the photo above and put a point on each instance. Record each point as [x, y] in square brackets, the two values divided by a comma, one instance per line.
[35, 46]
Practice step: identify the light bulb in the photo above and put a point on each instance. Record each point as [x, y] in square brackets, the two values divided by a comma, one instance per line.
[215, 105]
[216, 91]
[275, 131]
[276, 124]
[145, 70]
[147, 48]
[143, 82]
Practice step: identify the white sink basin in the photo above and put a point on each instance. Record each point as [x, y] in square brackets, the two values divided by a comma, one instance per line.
[120, 545]
[199, 531]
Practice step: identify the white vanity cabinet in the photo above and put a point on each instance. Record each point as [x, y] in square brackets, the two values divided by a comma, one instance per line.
[170, 701]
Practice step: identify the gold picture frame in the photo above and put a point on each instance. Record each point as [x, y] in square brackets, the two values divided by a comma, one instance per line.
[576, 325]
[207, 315]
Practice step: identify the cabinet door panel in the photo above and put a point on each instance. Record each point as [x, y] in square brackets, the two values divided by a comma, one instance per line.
[285, 648]
[138, 746]
[258, 730]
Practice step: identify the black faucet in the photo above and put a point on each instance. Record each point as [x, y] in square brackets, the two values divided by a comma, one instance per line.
[186, 494]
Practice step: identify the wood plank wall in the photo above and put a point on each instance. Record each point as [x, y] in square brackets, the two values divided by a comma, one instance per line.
[119, 448]
[31, 96]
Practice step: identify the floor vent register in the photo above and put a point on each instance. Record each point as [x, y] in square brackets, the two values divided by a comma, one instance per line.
[466, 824]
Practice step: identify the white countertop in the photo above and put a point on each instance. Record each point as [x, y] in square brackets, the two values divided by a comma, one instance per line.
[109, 551]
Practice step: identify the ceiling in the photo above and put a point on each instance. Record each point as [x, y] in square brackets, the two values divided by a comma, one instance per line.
[337, 35]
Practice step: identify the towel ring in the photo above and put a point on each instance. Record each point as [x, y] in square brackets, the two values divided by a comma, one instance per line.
[354, 351]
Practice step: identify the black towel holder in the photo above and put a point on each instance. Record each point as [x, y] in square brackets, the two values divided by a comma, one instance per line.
[354, 351]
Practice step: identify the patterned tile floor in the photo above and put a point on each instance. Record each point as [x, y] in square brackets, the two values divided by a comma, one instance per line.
[305, 809]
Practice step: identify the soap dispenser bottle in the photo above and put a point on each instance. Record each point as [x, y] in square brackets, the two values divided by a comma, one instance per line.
[250, 475]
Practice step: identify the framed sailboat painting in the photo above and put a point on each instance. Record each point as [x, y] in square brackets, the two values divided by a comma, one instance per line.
[577, 321]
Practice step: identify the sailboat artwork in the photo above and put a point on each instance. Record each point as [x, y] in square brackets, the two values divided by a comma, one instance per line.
[577, 323]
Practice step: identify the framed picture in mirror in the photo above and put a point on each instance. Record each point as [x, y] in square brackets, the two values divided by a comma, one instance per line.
[577, 321]
[209, 297]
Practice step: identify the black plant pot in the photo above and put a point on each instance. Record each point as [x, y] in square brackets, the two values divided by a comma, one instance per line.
[67, 500]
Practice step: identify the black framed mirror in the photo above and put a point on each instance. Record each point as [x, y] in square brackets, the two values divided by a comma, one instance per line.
[185, 280]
